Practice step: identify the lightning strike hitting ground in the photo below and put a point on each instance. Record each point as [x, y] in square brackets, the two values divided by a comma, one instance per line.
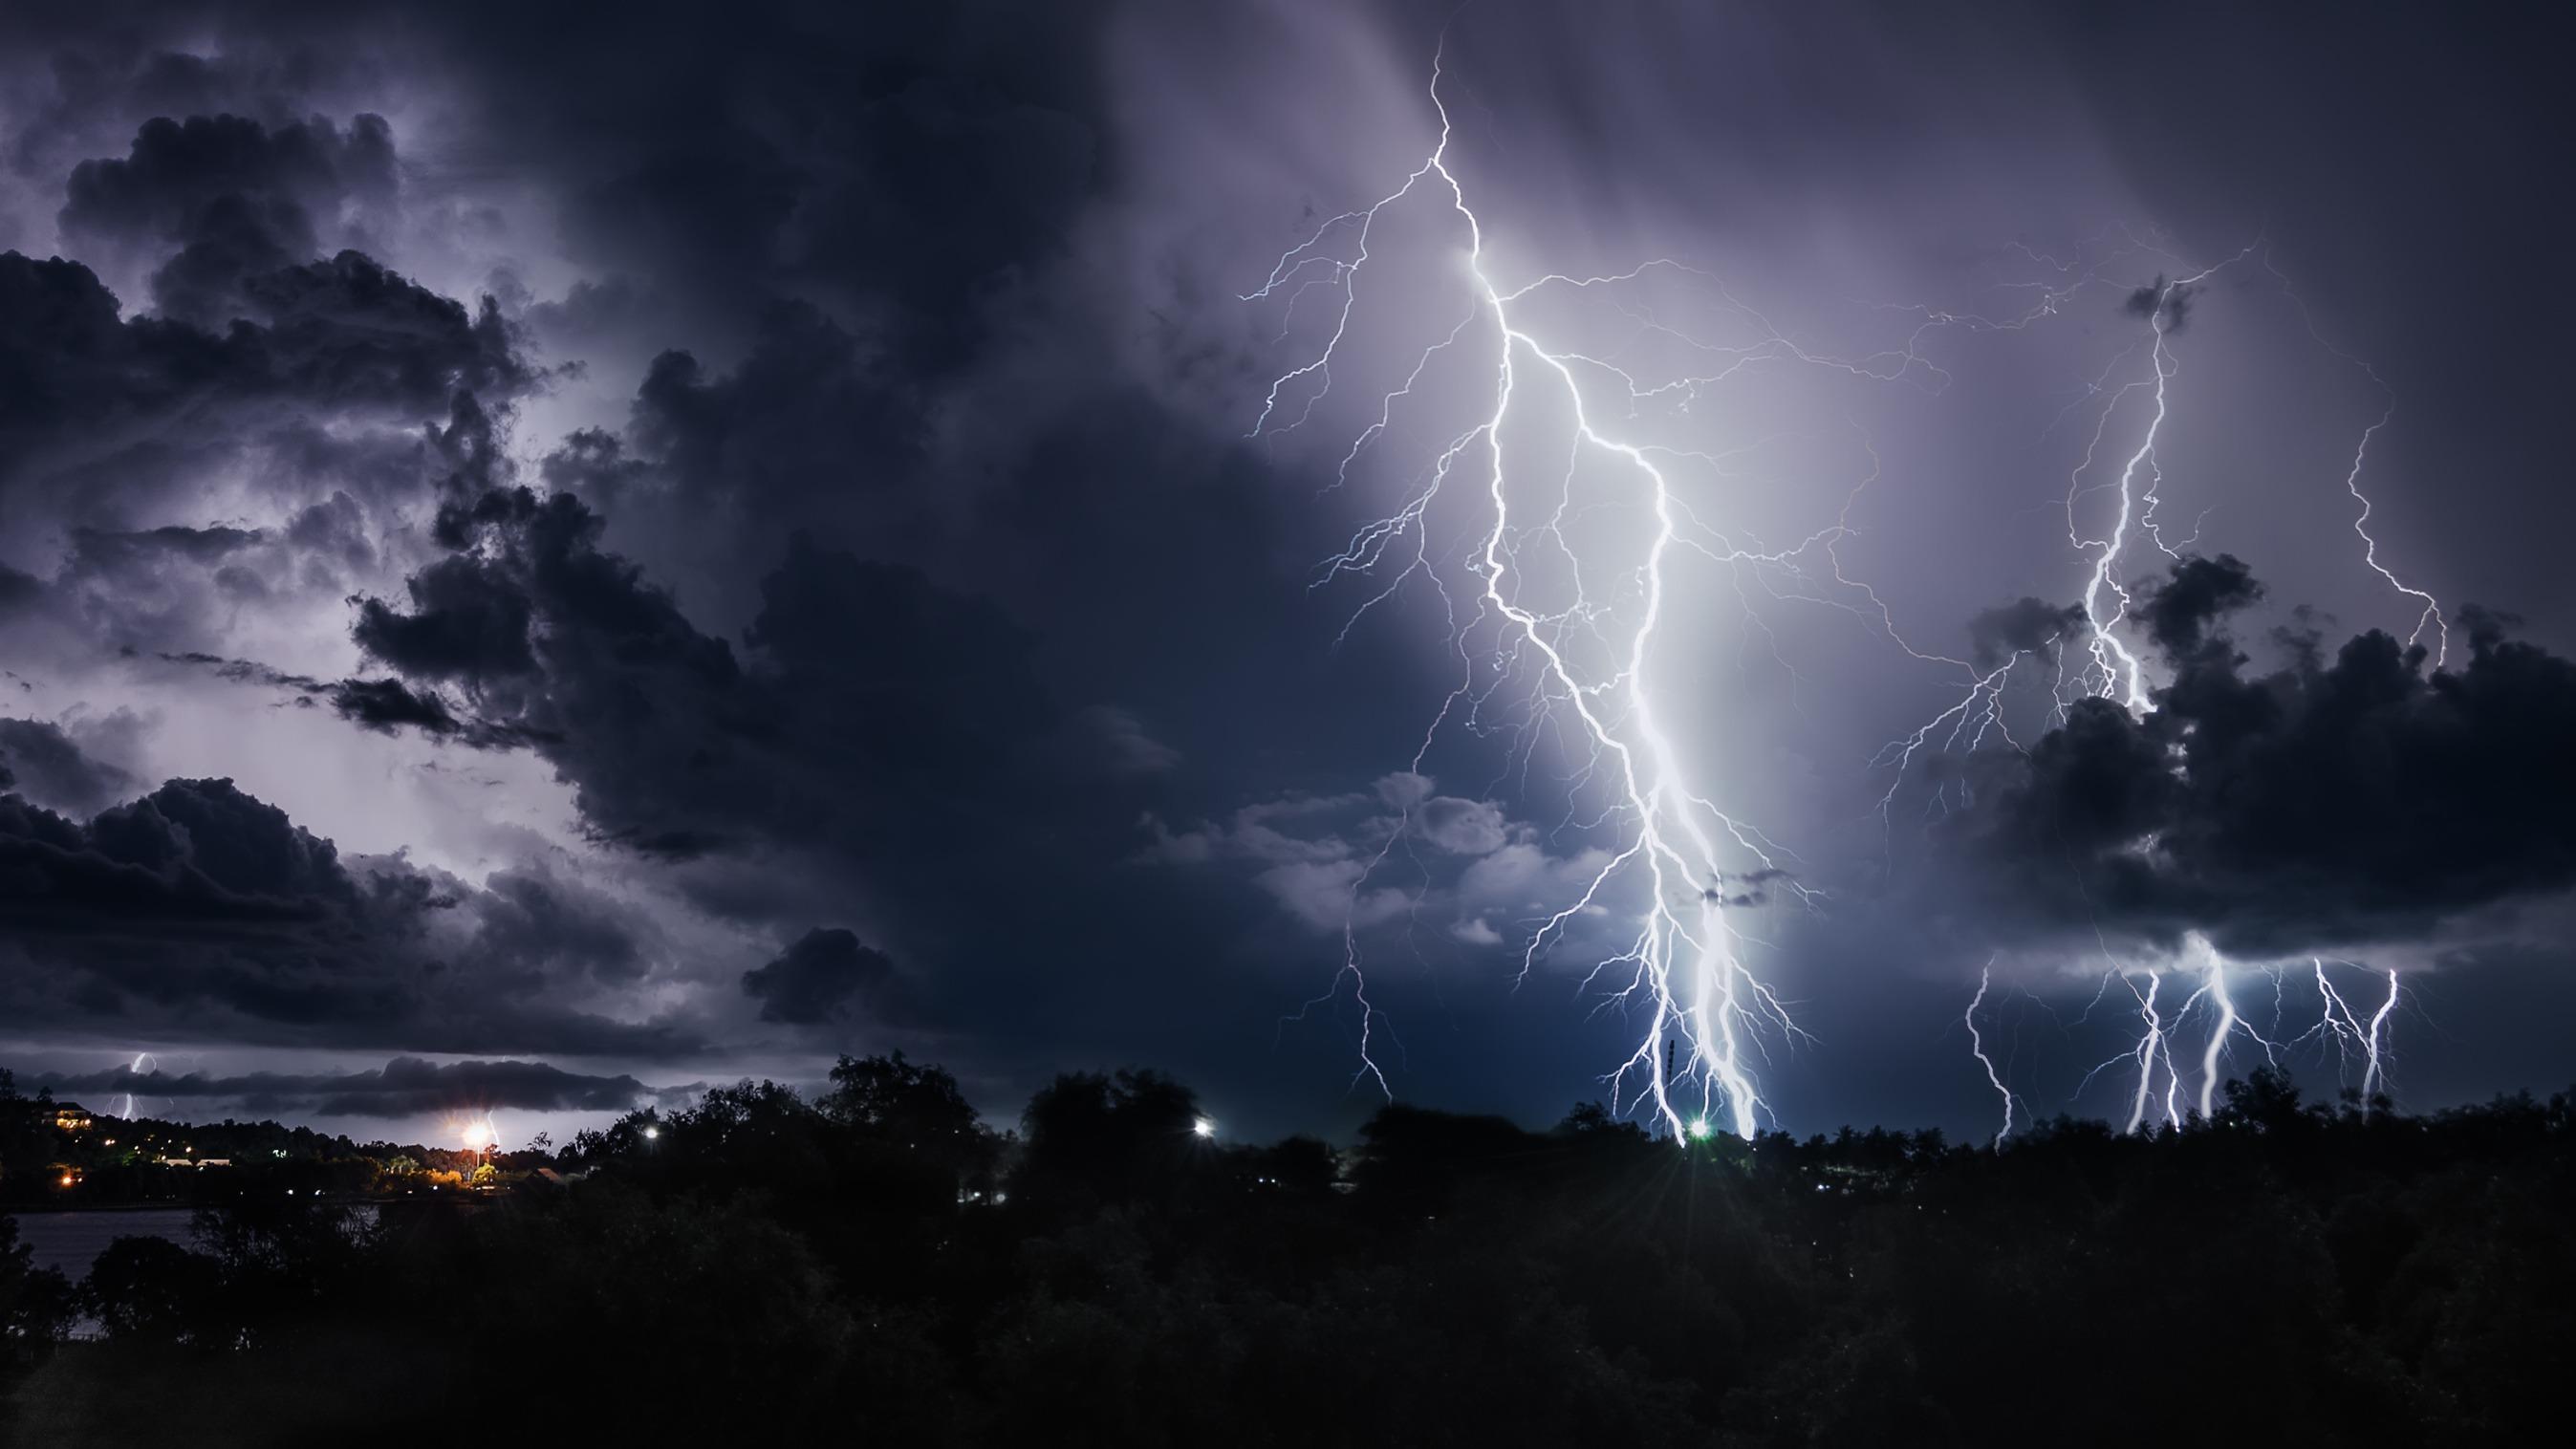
[142, 1064]
[1977, 1048]
[1591, 656]
[2350, 1034]
[2116, 671]
[2159, 1087]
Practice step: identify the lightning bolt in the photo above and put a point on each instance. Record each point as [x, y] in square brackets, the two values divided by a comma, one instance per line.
[142, 1063]
[2350, 1034]
[2117, 671]
[1590, 660]
[2159, 1085]
[1977, 1048]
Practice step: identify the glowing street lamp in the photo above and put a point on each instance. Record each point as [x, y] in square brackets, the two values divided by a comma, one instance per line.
[481, 1138]
[1204, 1127]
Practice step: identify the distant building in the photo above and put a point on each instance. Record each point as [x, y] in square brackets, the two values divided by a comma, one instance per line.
[71, 1117]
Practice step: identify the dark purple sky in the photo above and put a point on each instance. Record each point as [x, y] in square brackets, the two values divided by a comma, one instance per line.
[706, 539]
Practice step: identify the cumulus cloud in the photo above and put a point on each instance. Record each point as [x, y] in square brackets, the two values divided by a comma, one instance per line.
[225, 198]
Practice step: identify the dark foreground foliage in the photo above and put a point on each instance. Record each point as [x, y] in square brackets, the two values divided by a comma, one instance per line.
[875, 1267]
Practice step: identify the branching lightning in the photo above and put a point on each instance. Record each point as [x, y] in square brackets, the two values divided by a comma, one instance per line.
[2114, 670]
[2350, 1034]
[1591, 657]
[1586, 661]
[2157, 1092]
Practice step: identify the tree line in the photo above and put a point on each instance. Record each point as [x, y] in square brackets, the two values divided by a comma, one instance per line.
[874, 1263]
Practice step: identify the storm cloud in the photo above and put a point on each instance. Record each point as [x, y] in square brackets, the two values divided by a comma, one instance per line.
[199, 903]
[403, 1087]
[820, 978]
[2370, 796]
[789, 467]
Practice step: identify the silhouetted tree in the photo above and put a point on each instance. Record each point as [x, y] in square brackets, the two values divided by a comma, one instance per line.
[1114, 1138]
[155, 1290]
[913, 1119]
[36, 1305]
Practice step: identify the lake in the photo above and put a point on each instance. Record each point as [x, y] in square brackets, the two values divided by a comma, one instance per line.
[72, 1241]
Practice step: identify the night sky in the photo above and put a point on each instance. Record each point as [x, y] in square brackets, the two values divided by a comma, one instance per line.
[551, 556]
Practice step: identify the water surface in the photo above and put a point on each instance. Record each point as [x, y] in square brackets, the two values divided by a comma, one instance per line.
[71, 1241]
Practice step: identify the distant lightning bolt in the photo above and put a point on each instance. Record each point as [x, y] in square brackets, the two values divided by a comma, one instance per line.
[2118, 673]
[2350, 1033]
[2151, 1049]
[1977, 1048]
[2158, 1087]
[142, 1064]
[2431, 615]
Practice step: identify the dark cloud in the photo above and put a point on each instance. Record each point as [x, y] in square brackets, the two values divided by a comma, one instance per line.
[823, 977]
[464, 623]
[101, 414]
[40, 761]
[199, 904]
[2372, 797]
[342, 331]
[813, 426]
[385, 705]
[2198, 593]
[349, 329]
[390, 705]
[109, 550]
[226, 199]
[535, 921]
[902, 167]
[2020, 627]
[870, 713]
[2166, 304]
[403, 1087]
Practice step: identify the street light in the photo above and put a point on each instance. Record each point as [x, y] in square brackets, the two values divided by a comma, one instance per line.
[1204, 1127]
